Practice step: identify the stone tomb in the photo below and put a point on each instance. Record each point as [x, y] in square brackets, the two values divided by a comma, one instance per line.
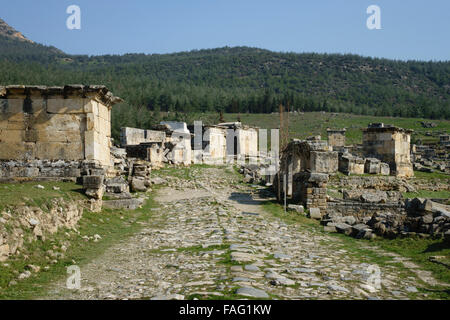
[48, 124]
[134, 136]
[209, 144]
[336, 138]
[390, 145]
[305, 156]
[242, 141]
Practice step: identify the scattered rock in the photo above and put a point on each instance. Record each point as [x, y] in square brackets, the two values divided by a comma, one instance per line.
[252, 292]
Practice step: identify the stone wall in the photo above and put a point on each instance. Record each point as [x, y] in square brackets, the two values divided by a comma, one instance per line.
[362, 210]
[385, 183]
[47, 169]
[71, 123]
[20, 225]
[310, 189]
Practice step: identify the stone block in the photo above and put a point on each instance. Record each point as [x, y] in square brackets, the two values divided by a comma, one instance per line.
[296, 207]
[65, 106]
[96, 193]
[11, 151]
[92, 182]
[344, 228]
[385, 170]
[372, 166]
[138, 185]
[330, 228]
[59, 150]
[314, 213]
[12, 136]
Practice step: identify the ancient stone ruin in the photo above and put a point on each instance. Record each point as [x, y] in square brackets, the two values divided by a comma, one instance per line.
[55, 131]
[209, 144]
[368, 205]
[304, 169]
[180, 144]
[390, 145]
[336, 138]
[242, 141]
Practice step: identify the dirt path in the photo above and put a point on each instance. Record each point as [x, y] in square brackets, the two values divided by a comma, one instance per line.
[212, 238]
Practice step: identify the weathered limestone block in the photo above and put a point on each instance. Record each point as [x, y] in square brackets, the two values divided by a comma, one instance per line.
[62, 122]
[372, 166]
[96, 193]
[59, 136]
[65, 106]
[138, 185]
[349, 164]
[314, 213]
[133, 136]
[324, 162]
[12, 136]
[10, 151]
[29, 172]
[385, 170]
[59, 150]
[92, 182]
[117, 185]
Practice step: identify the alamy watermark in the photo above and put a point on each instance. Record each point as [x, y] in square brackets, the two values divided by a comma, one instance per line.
[74, 280]
[374, 20]
[73, 22]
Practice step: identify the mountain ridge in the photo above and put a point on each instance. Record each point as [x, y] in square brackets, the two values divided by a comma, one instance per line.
[8, 31]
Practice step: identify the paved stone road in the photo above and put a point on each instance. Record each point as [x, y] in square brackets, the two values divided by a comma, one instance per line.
[212, 238]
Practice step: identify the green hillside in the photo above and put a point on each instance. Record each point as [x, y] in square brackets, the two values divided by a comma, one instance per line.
[238, 80]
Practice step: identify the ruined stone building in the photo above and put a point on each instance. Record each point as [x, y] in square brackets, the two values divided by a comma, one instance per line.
[54, 131]
[351, 164]
[167, 142]
[144, 144]
[390, 145]
[305, 165]
[133, 136]
[209, 144]
[178, 141]
[242, 141]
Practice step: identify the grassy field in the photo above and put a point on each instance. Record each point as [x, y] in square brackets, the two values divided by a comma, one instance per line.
[314, 123]
[27, 193]
[442, 194]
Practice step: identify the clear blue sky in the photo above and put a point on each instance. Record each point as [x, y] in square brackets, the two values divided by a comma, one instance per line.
[411, 29]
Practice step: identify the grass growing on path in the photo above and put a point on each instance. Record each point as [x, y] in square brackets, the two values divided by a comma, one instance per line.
[420, 251]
